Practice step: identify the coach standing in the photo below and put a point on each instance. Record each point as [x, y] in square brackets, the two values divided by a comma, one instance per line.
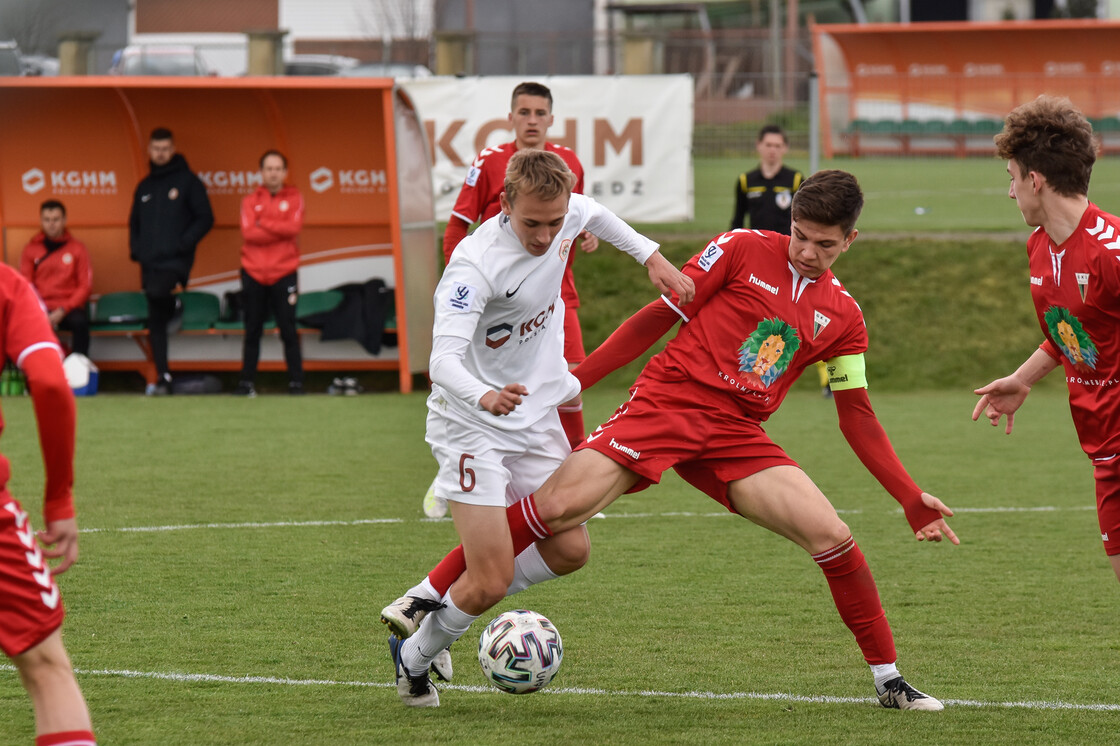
[170, 215]
[271, 219]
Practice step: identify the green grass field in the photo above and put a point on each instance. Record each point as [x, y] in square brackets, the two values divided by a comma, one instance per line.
[236, 554]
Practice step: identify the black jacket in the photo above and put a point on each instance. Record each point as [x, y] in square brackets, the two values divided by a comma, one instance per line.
[170, 215]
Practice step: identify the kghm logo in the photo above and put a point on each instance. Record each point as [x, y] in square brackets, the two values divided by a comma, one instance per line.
[349, 180]
[228, 181]
[34, 180]
[496, 336]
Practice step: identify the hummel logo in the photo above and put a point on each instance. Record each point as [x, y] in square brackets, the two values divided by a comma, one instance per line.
[511, 293]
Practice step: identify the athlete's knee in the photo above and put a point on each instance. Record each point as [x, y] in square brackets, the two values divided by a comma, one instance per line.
[44, 663]
[568, 551]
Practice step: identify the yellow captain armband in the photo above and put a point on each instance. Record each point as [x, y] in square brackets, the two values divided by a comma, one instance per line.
[846, 372]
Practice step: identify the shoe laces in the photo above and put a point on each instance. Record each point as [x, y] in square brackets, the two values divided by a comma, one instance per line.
[899, 687]
[418, 686]
[422, 604]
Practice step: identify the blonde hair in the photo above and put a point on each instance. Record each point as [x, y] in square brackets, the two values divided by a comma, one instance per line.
[540, 173]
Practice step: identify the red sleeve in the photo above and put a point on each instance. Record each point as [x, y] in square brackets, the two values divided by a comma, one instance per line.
[27, 264]
[284, 223]
[250, 231]
[869, 441]
[55, 413]
[84, 274]
[1048, 347]
[636, 335]
[456, 231]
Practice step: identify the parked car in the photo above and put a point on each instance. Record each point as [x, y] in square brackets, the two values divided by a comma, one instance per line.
[390, 70]
[39, 65]
[142, 59]
[9, 59]
[318, 64]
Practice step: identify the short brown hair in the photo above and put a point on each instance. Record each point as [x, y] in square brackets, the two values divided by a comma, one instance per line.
[530, 89]
[540, 173]
[1050, 136]
[829, 198]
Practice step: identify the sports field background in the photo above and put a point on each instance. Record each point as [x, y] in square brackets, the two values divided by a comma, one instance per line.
[236, 552]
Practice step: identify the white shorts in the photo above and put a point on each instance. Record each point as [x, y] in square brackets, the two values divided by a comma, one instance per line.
[481, 465]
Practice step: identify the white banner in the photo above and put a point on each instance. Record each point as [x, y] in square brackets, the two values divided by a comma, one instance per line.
[632, 133]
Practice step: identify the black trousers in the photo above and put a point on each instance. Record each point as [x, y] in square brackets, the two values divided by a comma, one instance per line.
[159, 287]
[77, 323]
[280, 297]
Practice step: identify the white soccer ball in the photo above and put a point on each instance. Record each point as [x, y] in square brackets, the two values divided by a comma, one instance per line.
[520, 651]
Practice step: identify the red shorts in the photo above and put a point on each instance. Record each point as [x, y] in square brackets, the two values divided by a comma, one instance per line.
[662, 427]
[573, 337]
[1107, 475]
[30, 606]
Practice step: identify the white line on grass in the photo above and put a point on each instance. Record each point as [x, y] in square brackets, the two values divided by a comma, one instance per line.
[377, 521]
[559, 691]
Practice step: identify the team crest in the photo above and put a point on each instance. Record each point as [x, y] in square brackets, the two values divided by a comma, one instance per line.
[820, 321]
[565, 247]
[1082, 283]
[1066, 331]
[767, 353]
[783, 200]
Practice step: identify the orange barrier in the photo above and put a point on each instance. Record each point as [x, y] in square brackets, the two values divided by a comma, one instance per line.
[964, 72]
[356, 149]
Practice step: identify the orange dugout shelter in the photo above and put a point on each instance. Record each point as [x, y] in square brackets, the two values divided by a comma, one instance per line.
[946, 86]
[356, 150]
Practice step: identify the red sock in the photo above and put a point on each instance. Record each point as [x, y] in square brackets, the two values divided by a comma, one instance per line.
[67, 738]
[571, 419]
[524, 526]
[857, 600]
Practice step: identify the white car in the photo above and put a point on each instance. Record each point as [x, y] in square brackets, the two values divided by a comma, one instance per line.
[143, 59]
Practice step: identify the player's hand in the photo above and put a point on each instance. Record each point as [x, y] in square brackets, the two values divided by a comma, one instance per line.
[60, 539]
[588, 242]
[938, 529]
[505, 401]
[1001, 397]
[668, 279]
[56, 316]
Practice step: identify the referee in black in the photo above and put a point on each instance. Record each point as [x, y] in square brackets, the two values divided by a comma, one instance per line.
[766, 193]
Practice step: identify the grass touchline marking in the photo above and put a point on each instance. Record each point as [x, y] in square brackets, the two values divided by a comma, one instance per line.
[378, 521]
[778, 696]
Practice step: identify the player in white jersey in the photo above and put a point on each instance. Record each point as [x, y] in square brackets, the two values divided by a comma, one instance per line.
[498, 374]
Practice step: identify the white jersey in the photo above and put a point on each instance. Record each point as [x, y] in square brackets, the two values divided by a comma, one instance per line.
[506, 303]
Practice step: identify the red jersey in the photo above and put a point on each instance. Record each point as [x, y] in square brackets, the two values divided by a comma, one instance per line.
[478, 199]
[270, 225]
[755, 324]
[25, 329]
[1076, 292]
[63, 277]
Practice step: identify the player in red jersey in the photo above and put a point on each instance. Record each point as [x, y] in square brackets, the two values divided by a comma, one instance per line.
[531, 116]
[1074, 257]
[766, 307]
[30, 607]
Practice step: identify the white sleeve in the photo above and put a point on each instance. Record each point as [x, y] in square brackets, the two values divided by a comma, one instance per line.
[616, 231]
[446, 369]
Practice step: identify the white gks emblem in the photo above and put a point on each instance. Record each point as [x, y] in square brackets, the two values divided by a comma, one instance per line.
[820, 321]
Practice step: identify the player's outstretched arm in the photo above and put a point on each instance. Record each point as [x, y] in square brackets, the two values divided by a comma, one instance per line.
[861, 428]
[1005, 395]
[670, 280]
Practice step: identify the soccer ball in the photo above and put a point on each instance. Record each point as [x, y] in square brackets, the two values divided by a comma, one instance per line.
[520, 651]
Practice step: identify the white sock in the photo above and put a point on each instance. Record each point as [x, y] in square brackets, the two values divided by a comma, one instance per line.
[884, 673]
[529, 569]
[423, 590]
[440, 629]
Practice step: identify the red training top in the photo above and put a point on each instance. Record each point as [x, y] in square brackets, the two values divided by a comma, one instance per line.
[63, 277]
[270, 225]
